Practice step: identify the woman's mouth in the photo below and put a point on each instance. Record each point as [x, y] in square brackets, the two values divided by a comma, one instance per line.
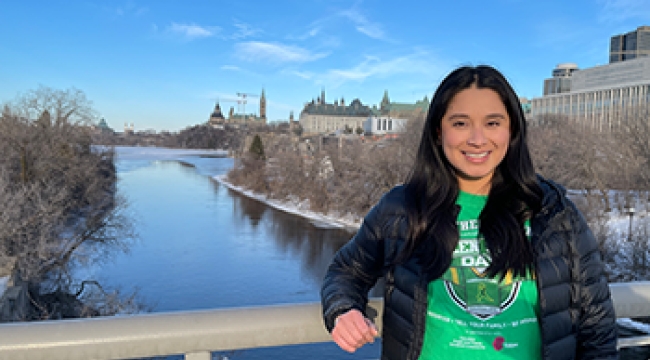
[477, 157]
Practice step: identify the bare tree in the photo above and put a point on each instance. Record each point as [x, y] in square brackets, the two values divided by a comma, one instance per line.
[606, 171]
[60, 205]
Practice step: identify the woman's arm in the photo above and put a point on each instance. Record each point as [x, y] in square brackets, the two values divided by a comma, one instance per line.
[354, 269]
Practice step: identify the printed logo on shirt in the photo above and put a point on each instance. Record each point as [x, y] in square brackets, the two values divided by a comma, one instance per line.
[466, 282]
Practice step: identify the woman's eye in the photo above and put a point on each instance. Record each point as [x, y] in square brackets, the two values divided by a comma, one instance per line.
[458, 124]
[494, 123]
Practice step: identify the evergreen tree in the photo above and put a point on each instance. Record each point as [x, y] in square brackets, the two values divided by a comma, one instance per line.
[257, 148]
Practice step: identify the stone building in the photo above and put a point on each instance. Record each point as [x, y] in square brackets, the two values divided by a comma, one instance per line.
[217, 119]
[318, 116]
[401, 110]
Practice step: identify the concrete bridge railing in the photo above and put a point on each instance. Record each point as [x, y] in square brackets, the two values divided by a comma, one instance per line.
[198, 333]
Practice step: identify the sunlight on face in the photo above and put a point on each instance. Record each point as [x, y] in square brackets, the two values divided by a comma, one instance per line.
[475, 132]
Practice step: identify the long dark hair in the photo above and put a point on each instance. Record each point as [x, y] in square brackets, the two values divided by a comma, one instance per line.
[432, 187]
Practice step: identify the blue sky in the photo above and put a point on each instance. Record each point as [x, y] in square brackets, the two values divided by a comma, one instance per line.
[162, 64]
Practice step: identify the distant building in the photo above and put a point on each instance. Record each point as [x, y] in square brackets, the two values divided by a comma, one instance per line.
[103, 127]
[526, 106]
[600, 95]
[318, 116]
[218, 120]
[630, 46]
[384, 125]
[561, 80]
[129, 129]
[402, 110]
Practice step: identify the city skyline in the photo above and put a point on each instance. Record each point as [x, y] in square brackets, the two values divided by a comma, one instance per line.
[163, 65]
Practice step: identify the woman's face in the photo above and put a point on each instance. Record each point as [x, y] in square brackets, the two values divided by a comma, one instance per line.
[475, 132]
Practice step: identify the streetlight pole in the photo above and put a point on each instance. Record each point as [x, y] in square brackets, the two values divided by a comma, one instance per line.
[630, 211]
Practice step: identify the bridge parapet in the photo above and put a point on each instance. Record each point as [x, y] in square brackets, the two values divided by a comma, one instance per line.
[197, 333]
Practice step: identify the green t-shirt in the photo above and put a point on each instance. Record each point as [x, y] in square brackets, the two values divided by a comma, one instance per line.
[470, 316]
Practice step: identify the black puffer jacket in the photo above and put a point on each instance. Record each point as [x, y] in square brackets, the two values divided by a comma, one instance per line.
[576, 313]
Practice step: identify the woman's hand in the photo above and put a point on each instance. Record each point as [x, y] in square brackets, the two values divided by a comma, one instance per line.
[353, 330]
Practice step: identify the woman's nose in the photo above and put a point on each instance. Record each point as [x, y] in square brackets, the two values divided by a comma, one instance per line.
[477, 137]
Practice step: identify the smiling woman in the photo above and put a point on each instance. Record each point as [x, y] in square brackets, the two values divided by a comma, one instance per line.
[475, 133]
[475, 247]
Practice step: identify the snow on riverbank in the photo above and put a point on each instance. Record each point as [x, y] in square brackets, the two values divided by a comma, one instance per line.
[329, 221]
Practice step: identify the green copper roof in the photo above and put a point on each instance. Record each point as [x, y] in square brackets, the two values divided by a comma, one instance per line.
[103, 125]
[356, 108]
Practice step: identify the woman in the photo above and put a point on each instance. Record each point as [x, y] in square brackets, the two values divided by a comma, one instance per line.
[482, 258]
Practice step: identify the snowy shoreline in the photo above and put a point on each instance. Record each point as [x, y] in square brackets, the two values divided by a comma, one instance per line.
[335, 221]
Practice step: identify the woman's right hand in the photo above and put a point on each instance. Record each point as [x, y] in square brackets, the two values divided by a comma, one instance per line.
[353, 330]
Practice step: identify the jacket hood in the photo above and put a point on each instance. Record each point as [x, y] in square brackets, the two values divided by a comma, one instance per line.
[554, 194]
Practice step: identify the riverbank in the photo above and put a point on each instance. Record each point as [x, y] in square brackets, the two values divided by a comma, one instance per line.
[300, 208]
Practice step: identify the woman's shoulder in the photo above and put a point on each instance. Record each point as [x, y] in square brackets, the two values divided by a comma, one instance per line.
[392, 203]
[395, 198]
[556, 199]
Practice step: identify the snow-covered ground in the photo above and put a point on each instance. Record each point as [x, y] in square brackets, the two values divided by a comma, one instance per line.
[300, 208]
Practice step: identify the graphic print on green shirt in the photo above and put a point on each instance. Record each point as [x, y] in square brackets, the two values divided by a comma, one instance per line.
[472, 316]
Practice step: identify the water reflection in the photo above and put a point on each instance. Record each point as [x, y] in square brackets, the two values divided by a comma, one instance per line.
[247, 209]
[203, 246]
[315, 247]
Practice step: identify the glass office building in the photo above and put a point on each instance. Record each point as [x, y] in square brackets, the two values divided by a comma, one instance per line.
[632, 45]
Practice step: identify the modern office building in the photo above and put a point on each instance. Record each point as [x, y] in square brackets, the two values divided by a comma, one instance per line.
[630, 46]
[561, 80]
[600, 96]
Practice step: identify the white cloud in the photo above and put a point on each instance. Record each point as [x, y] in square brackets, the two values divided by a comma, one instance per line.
[420, 62]
[231, 68]
[257, 51]
[364, 26]
[616, 11]
[243, 31]
[313, 32]
[310, 33]
[301, 74]
[193, 31]
[130, 9]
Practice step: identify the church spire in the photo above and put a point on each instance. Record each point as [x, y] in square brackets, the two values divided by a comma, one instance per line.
[263, 105]
[385, 101]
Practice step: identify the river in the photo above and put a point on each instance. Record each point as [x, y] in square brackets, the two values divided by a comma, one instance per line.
[203, 246]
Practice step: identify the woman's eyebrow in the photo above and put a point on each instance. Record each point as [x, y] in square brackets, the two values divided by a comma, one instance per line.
[465, 116]
[458, 116]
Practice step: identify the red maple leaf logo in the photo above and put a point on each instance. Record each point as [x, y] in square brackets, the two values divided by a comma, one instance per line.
[498, 343]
